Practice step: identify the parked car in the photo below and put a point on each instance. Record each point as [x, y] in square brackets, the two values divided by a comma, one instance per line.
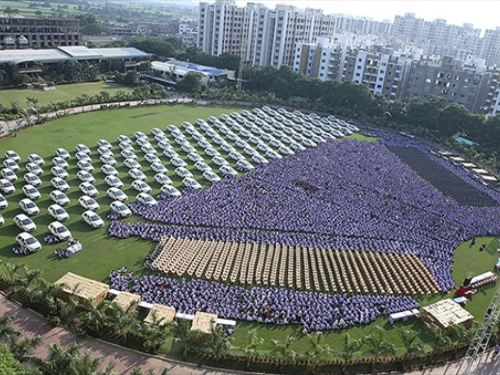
[24, 223]
[59, 230]
[120, 209]
[29, 242]
[29, 207]
[92, 219]
[58, 213]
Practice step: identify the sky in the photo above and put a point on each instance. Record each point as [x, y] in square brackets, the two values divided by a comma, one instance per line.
[483, 14]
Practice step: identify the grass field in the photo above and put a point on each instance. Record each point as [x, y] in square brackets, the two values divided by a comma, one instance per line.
[61, 94]
[102, 254]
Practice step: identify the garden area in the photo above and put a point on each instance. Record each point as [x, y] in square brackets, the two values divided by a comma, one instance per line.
[344, 216]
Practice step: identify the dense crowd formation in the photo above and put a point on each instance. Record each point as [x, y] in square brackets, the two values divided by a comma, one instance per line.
[366, 199]
[314, 311]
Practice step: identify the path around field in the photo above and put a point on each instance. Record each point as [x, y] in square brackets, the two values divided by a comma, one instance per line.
[125, 360]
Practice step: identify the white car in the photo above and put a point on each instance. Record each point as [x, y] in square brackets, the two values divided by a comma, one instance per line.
[159, 168]
[152, 158]
[85, 166]
[3, 202]
[156, 131]
[163, 179]
[273, 155]
[59, 184]
[120, 208]
[103, 143]
[138, 135]
[244, 165]
[59, 197]
[123, 138]
[108, 159]
[61, 152]
[29, 207]
[31, 192]
[8, 174]
[6, 186]
[202, 166]
[141, 186]
[250, 151]
[32, 179]
[29, 242]
[108, 170]
[136, 174]
[104, 151]
[146, 199]
[88, 203]
[148, 149]
[128, 154]
[258, 159]
[37, 159]
[191, 183]
[85, 176]
[116, 194]
[170, 190]
[227, 148]
[235, 155]
[183, 172]
[194, 156]
[143, 142]
[58, 213]
[126, 146]
[218, 160]
[88, 189]
[58, 162]
[83, 156]
[35, 169]
[181, 141]
[25, 223]
[163, 144]
[82, 148]
[226, 170]
[113, 181]
[178, 162]
[203, 144]
[10, 154]
[212, 152]
[92, 219]
[59, 230]
[211, 176]
[187, 148]
[170, 153]
[132, 163]
[10, 163]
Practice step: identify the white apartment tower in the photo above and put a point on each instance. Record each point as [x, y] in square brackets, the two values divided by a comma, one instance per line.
[265, 36]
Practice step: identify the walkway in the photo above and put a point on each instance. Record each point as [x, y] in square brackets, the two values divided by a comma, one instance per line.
[125, 360]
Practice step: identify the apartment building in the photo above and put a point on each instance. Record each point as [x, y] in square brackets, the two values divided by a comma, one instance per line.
[453, 81]
[489, 47]
[264, 36]
[19, 32]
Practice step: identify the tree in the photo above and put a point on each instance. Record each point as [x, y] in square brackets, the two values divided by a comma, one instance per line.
[185, 336]
[283, 353]
[441, 340]
[411, 344]
[7, 332]
[21, 349]
[8, 364]
[218, 343]
[377, 347]
[320, 351]
[191, 83]
[350, 347]
[123, 322]
[252, 343]
[93, 318]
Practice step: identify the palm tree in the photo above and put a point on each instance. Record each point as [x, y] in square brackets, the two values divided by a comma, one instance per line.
[349, 349]
[85, 364]
[26, 280]
[153, 334]
[412, 346]
[93, 318]
[123, 323]
[441, 340]
[377, 347]
[60, 360]
[185, 336]
[7, 332]
[11, 272]
[218, 344]
[320, 352]
[21, 349]
[47, 294]
[250, 350]
[283, 352]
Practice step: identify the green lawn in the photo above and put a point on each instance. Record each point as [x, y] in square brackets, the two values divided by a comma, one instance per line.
[102, 254]
[61, 94]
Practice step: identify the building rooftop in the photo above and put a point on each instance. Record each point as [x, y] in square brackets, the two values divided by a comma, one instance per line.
[61, 54]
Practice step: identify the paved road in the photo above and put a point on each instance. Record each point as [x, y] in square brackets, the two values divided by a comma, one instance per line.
[125, 360]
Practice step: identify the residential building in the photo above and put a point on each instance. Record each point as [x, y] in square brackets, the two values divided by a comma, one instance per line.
[19, 32]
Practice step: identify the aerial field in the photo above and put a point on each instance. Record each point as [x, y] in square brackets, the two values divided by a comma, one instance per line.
[62, 93]
[101, 253]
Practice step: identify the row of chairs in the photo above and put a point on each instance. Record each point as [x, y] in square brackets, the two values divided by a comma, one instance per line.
[295, 267]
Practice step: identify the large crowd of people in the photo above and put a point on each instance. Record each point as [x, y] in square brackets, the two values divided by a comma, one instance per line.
[314, 311]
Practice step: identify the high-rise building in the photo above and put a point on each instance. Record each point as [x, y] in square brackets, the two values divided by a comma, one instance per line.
[264, 36]
[490, 47]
